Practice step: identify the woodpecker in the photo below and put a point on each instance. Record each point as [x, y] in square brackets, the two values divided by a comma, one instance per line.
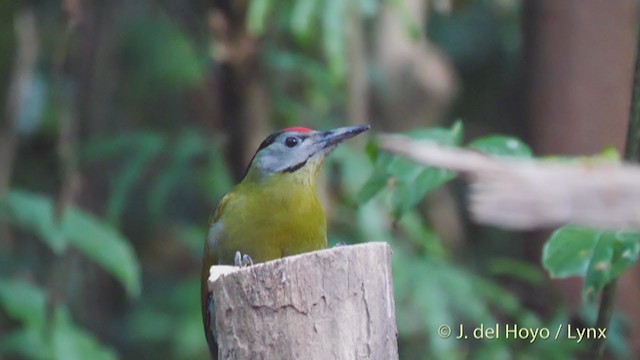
[274, 211]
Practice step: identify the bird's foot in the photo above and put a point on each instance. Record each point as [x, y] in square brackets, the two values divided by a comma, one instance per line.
[247, 260]
[242, 260]
[340, 244]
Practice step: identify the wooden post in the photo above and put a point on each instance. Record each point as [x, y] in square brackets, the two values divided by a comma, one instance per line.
[330, 304]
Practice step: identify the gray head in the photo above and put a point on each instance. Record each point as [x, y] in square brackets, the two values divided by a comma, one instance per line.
[294, 149]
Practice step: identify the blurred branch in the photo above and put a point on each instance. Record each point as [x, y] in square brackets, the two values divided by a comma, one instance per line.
[23, 69]
[239, 84]
[67, 142]
[67, 158]
[524, 195]
[24, 63]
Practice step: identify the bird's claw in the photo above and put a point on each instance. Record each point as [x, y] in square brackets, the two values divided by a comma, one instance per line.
[247, 260]
[237, 260]
[241, 261]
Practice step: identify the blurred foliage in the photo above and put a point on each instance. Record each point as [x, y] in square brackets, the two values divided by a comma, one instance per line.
[431, 289]
[102, 244]
[153, 167]
[410, 182]
[598, 256]
[300, 18]
[44, 336]
[159, 57]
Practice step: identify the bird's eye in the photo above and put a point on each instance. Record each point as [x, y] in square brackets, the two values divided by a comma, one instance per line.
[291, 141]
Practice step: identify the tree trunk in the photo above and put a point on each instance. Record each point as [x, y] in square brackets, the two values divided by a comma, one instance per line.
[579, 57]
[332, 304]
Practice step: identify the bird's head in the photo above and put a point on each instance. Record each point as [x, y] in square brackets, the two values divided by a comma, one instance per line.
[297, 150]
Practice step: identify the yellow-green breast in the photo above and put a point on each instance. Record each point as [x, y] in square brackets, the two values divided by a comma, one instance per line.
[268, 219]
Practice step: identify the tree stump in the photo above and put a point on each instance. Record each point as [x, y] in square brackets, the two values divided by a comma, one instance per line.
[330, 304]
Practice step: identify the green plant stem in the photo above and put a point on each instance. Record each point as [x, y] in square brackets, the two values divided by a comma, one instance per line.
[607, 298]
[605, 311]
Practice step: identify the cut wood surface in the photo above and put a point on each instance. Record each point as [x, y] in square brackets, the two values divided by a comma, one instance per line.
[330, 304]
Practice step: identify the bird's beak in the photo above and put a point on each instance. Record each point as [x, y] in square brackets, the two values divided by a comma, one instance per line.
[331, 138]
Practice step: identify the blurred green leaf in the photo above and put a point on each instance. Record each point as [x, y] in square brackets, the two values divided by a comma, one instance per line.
[609, 153]
[408, 193]
[414, 181]
[516, 269]
[104, 245]
[106, 147]
[599, 268]
[613, 254]
[160, 57]
[461, 286]
[34, 214]
[501, 298]
[443, 136]
[188, 145]
[626, 247]
[417, 232]
[215, 179]
[145, 148]
[302, 18]
[23, 301]
[26, 303]
[403, 169]
[498, 145]
[372, 149]
[257, 16]
[334, 17]
[431, 179]
[376, 182]
[369, 8]
[27, 343]
[70, 342]
[95, 239]
[599, 256]
[411, 181]
[402, 198]
[379, 177]
[568, 251]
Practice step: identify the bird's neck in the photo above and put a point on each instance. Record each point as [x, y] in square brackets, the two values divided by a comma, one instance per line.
[305, 176]
[281, 183]
[294, 191]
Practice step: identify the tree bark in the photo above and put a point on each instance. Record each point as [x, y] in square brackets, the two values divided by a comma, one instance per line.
[239, 84]
[580, 62]
[331, 304]
[579, 57]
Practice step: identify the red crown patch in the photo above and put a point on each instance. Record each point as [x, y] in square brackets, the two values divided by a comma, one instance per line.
[297, 129]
